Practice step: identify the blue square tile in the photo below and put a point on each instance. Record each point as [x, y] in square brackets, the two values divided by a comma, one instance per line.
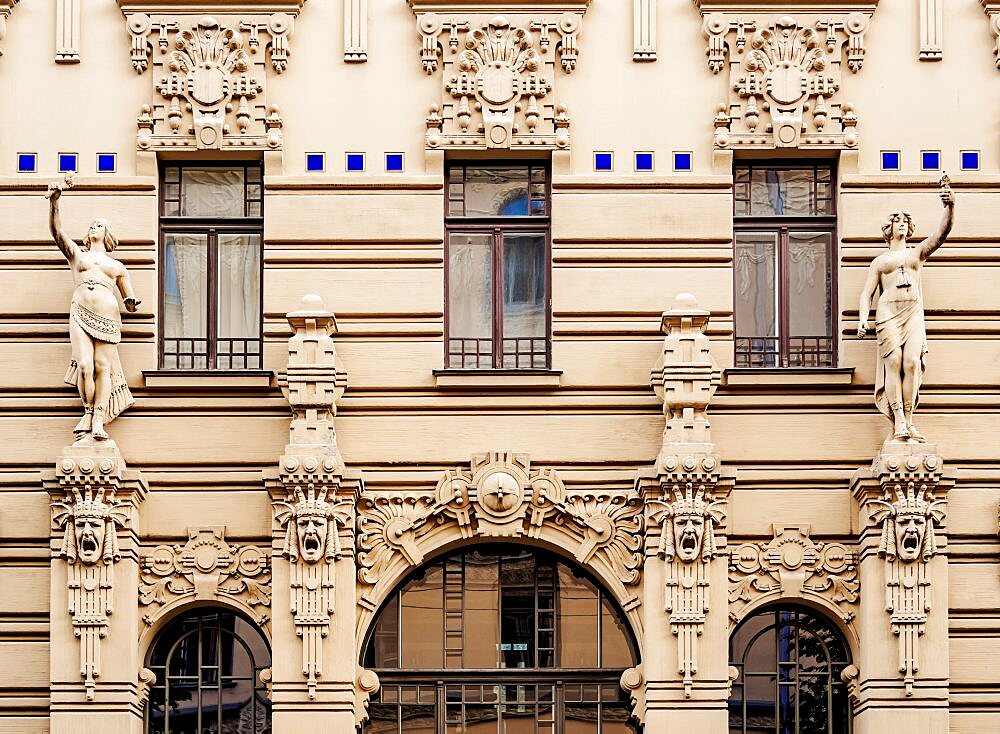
[890, 160]
[603, 161]
[682, 161]
[394, 161]
[930, 160]
[106, 162]
[27, 162]
[315, 161]
[643, 161]
[970, 160]
[355, 161]
[67, 162]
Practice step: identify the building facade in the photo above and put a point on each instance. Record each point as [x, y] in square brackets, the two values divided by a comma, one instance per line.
[526, 367]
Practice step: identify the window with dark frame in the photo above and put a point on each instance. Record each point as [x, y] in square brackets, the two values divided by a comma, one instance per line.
[784, 262]
[211, 266]
[497, 302]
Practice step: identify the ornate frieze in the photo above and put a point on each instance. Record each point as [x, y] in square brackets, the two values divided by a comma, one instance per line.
[205, 568]
[791, 565]
[501, 496]
[93, 497]
[785, 75]
[498, 73]
[209, 75]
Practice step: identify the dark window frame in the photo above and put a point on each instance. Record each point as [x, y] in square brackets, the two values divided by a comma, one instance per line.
[498, 227]
[787, 350]
[212, 227]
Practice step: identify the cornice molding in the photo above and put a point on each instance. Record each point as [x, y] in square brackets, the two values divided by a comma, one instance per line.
[220, 7]
[787, 6]
[508, 6]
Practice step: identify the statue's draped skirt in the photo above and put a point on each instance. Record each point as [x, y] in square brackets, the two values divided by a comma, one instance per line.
[904, 327]
[109, 330]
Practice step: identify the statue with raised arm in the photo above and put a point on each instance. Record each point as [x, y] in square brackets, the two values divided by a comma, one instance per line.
[95, 325]
[899, 315]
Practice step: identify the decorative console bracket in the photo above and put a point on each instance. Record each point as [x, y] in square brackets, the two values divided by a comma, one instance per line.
[785, 73]
[499, 65]
[6, 7]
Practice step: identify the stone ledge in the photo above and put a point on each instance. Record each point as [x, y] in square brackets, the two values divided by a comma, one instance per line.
[206, 379]
[787, 376]
[498, 379]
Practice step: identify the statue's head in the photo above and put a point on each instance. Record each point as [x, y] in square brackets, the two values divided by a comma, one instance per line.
[312, 526]
[911, 534]
[690, 533]
[908, 525]
[100, 232]
[899, 225]
[90, 535]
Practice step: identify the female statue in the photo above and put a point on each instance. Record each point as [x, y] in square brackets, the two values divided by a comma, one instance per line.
[95, 325]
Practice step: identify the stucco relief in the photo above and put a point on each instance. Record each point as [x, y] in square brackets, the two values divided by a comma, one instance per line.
[209, 78]
[791, 565]
[205, 568]
[785, 75]
[992, 9]
[6, 7]
[499, 74]
[500, 496]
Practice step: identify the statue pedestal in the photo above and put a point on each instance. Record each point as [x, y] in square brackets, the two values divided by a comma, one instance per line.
[94, 662]
[902, 668]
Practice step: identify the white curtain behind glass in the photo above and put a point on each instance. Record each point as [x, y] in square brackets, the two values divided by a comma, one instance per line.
[239, 286]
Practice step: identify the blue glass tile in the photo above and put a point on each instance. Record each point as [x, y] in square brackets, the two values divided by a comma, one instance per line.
[930, 160]
[970, 160]
[27, 162]
[644, 161]
[682, 161]
[603, 162]
[106, 162]
[67, 162]
[315, 162]
[890, 160]
[355, 161]
[394, 161]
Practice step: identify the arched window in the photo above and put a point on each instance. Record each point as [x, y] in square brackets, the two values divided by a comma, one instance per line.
[499, 640]
[207, 665]
[789, 661]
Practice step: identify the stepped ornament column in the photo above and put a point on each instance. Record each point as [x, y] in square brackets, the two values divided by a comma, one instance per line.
[315, 677]
[685, 585]
[900, 681]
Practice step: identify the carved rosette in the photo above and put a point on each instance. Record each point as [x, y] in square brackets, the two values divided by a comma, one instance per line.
[785, 77]
[501, 496]
[792, 565]
[93, 497]
[498, 77]
[209, 79]
[206, 568]
[685, 519]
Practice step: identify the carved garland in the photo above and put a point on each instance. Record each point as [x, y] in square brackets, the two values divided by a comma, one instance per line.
[501, 497]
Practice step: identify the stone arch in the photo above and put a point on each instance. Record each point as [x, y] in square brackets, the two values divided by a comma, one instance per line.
[164, 616]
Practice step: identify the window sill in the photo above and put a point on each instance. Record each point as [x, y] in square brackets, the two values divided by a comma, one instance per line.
[787, 376]
[207, 379]
[531, 379]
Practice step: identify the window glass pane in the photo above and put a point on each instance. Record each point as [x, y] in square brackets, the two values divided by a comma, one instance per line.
[239, 285]
[782, 191]
[385, 641]
[496, 191]
[470, 293]
[810, 286]
[578, 620]
[212, 192]
[615, 650]
[524, 296]
[756, 287]
[422, 621]
[185, 300]
[481, 614]
[517, 611]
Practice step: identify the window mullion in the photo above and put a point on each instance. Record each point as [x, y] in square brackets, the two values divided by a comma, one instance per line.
[212, 332]
[498, 298]
[783, 315]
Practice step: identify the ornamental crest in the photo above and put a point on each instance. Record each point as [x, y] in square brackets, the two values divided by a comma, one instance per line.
[209, 76]
[785, 78]
[499, 75]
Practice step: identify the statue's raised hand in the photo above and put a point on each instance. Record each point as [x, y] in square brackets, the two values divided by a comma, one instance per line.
[55, 189]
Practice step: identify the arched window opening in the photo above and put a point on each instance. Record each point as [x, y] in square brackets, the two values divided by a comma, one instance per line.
[789, 661]
[499, 640]
[207, 665]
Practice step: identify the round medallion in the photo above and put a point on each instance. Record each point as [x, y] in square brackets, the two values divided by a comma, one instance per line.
[500, 493]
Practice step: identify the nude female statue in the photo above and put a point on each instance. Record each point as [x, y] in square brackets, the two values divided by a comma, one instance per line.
[95, 325]
[899, 315]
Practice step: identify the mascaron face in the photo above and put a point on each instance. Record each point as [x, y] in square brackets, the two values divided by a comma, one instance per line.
[89, 538]
[910, 529]
[312, 536]
[688, 532]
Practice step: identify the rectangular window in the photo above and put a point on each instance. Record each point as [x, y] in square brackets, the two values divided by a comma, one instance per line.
[211, 233]
[784, 265]
[497, 308]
